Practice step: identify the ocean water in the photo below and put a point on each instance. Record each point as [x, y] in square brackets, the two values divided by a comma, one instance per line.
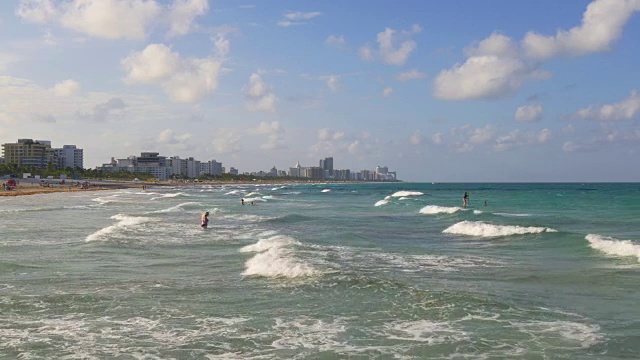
[323, 271]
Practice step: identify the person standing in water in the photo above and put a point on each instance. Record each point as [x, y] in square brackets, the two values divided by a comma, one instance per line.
[205, 220]
[465, 199]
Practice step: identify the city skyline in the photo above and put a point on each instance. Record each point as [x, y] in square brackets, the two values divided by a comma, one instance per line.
[453, 91]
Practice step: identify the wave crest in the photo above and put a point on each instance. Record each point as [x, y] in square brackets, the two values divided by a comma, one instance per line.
[434, 209]
[613, 246]
[276, 259]
[124, 221]
[478, 228]
[406, 193]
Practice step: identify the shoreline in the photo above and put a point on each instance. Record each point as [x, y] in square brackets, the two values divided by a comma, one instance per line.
[32, 186]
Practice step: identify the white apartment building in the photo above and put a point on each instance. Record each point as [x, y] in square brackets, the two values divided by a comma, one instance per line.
[211, 167]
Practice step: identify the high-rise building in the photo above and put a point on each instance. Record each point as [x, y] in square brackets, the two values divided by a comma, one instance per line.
[67, 156]
[326, 165]
[27, 152]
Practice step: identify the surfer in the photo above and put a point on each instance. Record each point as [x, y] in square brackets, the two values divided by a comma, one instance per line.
[465, 199]
[205, 220]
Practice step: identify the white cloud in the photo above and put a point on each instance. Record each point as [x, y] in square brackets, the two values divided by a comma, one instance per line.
[66, 88]
[301, 15]
[48, 38]
[168, 137]
[111, 19]
[601, 26]
[334, 40]
[413, 74]
[333, 81]
[394, 47]
[287, 23]
[227, 141]
[626, 109]
[529, 113]
[221, 46]
[155, 63]
[481, 77]
[259, 94]
[114, 19]
[416, 138]
[519, 138]
[387, 91]
[436, 138]
[114, 108]
[274, 132]
[183, 12]
[495, 45]
[184, 80]
[37, 11]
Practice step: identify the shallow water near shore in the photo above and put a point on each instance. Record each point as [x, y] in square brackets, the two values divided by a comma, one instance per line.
[323, 271]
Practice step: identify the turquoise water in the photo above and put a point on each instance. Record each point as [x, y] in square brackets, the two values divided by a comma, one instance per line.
[323, 271]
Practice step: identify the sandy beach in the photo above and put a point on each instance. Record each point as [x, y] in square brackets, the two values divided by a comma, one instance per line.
[27, 187]
[33, 187]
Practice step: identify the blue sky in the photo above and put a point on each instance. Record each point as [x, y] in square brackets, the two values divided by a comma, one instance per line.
[436, 90]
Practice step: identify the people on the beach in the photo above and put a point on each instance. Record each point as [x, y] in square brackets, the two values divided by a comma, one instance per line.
[465, 199]
[205, 220]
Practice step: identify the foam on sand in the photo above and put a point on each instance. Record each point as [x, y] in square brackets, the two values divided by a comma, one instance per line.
[276, 259]
[123, 222]
[434, 209]
[478, 228]
[407, 193]
[613, 246]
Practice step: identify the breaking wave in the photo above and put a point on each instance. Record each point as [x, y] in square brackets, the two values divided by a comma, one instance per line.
[124, 222]
[478, 228]
[434, 209]
[381, 202]
[613, 246]
[276, 258]
[407, 193]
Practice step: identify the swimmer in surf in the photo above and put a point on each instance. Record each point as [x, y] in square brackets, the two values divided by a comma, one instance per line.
[205, 220]
[465, 199]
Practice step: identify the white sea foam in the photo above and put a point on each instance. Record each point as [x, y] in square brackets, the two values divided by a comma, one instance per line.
[434, 209]
[405, 198]
[326, 190]
[381, 202]
[249, 199]
[124, 222]
[253, 193]
[407, 193]
[613, 246]
[168, 196]
[512, 214]
[478, 212]
[234, 192]
[584, 335]
[276, 258]
[176, 208]
[478, 228]
[425, 331]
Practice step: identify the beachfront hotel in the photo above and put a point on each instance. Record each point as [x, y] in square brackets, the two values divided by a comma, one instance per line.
[39, 153]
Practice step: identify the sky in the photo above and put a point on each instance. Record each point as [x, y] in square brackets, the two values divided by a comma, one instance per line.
[447, 91]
